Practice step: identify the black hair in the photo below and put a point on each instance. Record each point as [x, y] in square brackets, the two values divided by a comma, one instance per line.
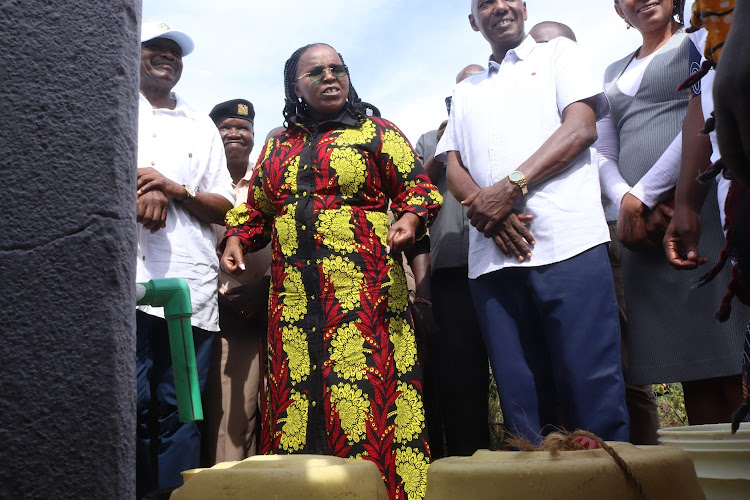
[677, 11]
[296, 108]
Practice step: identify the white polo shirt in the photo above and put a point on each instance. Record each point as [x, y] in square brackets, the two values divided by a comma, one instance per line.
[185, 147]
[499, 118]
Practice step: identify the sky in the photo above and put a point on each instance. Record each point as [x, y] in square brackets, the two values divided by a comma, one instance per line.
[403, 55]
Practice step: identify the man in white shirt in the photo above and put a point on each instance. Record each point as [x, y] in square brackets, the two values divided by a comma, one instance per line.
[518, 152]
[183, 187]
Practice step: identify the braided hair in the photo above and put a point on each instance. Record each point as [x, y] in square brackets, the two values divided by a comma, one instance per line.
[295, 108]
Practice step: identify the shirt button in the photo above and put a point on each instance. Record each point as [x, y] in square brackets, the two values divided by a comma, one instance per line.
[154, 113]
[153, 163]
[190, 155]
[153, 135]
[144, 257]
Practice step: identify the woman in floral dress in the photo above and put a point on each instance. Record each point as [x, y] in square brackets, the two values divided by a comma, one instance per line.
[344, 378]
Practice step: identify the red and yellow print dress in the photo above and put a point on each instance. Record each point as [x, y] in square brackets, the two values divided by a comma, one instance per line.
[344, 378]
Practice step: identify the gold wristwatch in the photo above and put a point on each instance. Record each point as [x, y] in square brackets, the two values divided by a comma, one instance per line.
[519, 180]
[190, 191]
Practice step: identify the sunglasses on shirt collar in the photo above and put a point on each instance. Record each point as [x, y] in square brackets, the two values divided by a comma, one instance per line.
[317, 74]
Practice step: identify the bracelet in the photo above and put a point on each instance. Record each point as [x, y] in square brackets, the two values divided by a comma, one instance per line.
[420, 300]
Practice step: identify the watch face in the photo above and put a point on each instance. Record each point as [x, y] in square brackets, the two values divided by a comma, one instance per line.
[516, 176]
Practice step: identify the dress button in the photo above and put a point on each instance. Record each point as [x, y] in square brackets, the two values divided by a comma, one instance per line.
[312, 297]
[314, 404]
[303, 227]
[313, 329]
[308, 262]
[314, 367]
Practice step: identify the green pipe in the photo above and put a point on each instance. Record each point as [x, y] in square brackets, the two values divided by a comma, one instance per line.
[173, 295]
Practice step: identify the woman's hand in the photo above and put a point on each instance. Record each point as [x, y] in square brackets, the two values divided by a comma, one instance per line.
[233, 259]
[681, 239]
[657, 221]
[631, 224]
[403, 233]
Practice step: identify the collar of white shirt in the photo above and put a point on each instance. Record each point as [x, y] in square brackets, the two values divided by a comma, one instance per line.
[520, 52]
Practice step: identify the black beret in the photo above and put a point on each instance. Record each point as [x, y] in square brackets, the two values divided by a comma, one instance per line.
[236, 108]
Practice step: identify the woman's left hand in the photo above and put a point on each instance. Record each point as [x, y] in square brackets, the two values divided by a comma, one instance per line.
[403, 233]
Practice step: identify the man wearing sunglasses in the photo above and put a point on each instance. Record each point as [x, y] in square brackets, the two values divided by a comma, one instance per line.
[183, 187]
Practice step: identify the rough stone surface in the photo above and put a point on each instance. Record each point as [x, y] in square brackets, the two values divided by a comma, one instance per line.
[68, 128]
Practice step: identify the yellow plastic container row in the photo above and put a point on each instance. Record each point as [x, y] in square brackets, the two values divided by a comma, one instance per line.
[666, 473]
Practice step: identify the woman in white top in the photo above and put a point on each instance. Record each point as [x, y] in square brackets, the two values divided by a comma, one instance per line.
[671, 336]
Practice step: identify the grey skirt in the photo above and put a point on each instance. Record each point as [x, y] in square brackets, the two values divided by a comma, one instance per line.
[671, 334]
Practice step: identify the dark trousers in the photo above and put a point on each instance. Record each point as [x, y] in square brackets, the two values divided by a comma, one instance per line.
[552, 334]
[640, 399]
[164, 445]
[460, 366]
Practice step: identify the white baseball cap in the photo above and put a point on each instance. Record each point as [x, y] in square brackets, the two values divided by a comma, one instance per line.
[149, 31]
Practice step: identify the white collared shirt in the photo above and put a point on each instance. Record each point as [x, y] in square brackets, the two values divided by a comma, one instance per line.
[499, 118]
[185, 147]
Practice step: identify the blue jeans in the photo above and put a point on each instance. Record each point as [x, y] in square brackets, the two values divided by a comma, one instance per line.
[553, 338]
[160, 432]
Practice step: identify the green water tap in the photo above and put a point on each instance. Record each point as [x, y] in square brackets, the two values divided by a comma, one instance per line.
[173, 295]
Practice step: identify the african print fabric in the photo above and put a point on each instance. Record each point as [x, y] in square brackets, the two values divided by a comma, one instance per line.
[344, 378]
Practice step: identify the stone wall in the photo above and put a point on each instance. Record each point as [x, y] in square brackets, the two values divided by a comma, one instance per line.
[69, 93]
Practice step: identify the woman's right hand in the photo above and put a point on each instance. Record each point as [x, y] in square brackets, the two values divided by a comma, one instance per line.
[631, 224]
[233, 258]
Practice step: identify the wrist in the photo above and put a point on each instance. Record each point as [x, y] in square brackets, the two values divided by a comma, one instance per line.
[187, 193]
[631, 204]
[411, 219]
[421, 300]
[518, 180]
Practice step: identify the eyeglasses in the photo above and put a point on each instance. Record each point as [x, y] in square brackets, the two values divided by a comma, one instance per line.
[318, 73]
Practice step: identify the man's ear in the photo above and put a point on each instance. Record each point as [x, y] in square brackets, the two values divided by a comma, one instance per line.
[525, 12]
[296, 90]
[619, 11]
[473, 24]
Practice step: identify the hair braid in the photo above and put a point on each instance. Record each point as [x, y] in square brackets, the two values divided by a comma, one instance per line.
[295, 107]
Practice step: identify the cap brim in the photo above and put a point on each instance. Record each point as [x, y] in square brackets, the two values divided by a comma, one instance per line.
[180, 38]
